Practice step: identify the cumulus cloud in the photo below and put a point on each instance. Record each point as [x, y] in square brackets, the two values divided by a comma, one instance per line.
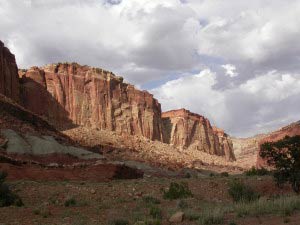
[258, 105]
[230, 70]
[246, 45]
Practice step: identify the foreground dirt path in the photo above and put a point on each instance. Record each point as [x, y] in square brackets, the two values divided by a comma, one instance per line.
[103, 202]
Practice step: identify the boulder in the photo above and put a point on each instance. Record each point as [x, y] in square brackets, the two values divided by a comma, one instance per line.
[44, 145]
[176, 217]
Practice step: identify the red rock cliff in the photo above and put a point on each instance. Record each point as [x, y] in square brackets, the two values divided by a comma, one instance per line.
[189, 130]
[81, 95]
[9, 81]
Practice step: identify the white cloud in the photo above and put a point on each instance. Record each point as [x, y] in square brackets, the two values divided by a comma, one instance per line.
[257, 105]
[149, 41]
[230, 70]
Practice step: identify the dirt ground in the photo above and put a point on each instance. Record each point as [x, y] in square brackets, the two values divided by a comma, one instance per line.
[104, 202]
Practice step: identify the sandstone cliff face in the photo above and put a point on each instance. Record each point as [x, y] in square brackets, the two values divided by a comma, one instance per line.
[9, 81]
[189, 130]
[80, 95]
[247, 150]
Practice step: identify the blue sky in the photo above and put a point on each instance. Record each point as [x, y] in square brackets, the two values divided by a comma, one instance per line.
[235, 62]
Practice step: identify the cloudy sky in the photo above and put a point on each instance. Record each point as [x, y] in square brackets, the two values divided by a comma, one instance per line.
[236, 62]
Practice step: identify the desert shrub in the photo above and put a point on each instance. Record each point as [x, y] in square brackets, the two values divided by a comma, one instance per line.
[224, 174]
[177, 191]
[212, 175]
[211, 217]
[70, 202]
[182, 204]
[232, 223]
[7, 197]
[284, 206]
[153, 222]
[240, 192]
[119, 222]
[46, 213]
[151, 200]
[155, 212]
[191, 215]
[257, 172]
[284, 155]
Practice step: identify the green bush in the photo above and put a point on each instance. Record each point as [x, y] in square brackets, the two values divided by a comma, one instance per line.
[224, 174]
[284, 206]
[242, 193]
[155, 212]
[191, 215]
[211, 217]
[153, 222]
[284, 155]
[182, 204]
[151, 200]
[7, 198]
[70, 202]
[212, 175]
[119, 222]
[232, 223]
[177, 191]
[257, 172]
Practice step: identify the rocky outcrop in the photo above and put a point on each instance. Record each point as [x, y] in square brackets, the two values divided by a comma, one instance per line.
[189, 130]
[225, 143]
[70, 94]
[9, 81]
[45, 145]
[247, 150]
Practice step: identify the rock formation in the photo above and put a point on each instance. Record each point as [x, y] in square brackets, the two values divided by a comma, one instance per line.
[44, 145]
[9, 81]
[70, 95]
[189, 130]
[90, 97]
[247, 150]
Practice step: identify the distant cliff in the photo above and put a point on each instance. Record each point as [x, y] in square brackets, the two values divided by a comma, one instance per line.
[247, 150]
[189, 130]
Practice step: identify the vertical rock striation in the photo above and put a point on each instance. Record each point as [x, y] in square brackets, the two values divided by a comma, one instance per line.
[9, 80]
[70, 94]
[189, 130]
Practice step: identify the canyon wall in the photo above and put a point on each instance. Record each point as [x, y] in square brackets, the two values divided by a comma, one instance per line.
[70, 95]
[192, 131]
[247, 150]
[9, 81]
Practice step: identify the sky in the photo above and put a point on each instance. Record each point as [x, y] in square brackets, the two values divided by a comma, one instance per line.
[237, 62]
